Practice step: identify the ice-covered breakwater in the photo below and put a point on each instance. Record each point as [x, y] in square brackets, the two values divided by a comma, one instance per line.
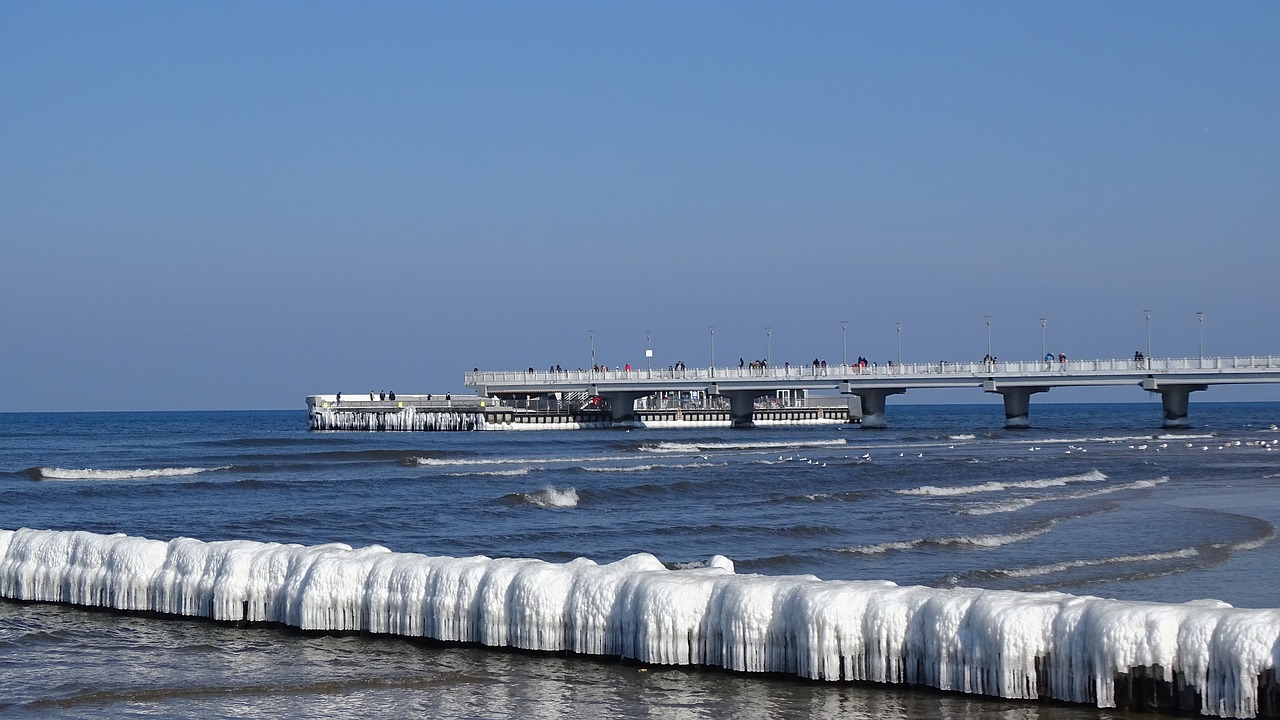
[1205, 656]
[398, 419]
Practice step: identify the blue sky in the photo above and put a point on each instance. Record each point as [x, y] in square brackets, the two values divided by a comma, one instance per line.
[234, 204]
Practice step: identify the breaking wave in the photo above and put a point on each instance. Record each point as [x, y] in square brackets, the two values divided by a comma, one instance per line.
[994, 486]
[547, 497]
[50, 473]
[1024, 503]
[513, 472]
[648, 466]
[975, 541]
[675, 447]
[455, 462]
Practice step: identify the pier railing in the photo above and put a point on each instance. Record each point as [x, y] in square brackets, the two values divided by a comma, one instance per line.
[1018, 368]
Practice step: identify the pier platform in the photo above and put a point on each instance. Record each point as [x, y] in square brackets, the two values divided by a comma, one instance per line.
[429, 412]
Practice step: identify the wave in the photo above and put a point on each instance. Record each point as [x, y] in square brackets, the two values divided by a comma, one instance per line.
[962, 436]
[695, 447]
[426, 461]
[974, 541]
[1064, 566]
[255, 442]
[996, 486]
[52, 473]
[649, 466]
[1024, 503]
[513, 472]
[547, 497]
[847, 496]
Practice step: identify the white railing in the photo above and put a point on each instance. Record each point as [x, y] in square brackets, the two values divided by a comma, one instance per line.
[1019, 368]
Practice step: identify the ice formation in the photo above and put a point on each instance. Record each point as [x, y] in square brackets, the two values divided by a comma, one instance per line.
[406, 418]
[1002, 643]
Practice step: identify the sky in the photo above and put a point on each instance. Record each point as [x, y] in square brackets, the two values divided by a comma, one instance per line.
[232, 205]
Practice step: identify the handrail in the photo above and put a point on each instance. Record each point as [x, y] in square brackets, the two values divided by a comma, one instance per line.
[1019, 368]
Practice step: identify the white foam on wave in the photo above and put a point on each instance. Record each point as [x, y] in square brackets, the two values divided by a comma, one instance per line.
[675, 447]
[1053, 568]
[550, 497]
[997, 486]
[1024, 503]
[650, 466]
[962, 436]
[1021, 645]
[513, 472]
[966, 541]
[467, 462]
[48, 473]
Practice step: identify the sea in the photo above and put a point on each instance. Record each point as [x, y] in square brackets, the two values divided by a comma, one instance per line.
[1094, 499]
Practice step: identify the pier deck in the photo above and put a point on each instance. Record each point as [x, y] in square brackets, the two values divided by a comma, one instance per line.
[1174, 378]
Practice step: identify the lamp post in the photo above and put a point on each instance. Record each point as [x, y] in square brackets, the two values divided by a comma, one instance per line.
[844, 343]
[1044, 322]
[768, 345]
[1200, 319]
[712, 329]
[648, 352]
[1147, 313]
[591, 335]
[898, 327]
[988, 318]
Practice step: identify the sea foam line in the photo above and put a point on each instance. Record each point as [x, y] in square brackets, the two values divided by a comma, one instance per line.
[675, 447]
[1024, 503]
[997, 486]
[1005, 643]
[52, 473]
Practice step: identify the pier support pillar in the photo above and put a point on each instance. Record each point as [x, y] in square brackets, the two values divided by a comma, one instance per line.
[1175, 399]
[622, 407]
[873, 405]
[742, 406]
[1017, 403]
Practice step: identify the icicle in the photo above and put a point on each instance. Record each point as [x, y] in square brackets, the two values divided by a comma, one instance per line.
[1008, 644]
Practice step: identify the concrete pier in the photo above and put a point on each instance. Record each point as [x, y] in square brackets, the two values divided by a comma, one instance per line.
[1176, 399]
[1017, 403]
[1014, 381]
[873, 405]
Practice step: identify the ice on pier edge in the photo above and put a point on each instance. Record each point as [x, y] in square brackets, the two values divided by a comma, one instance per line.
[1009, 644]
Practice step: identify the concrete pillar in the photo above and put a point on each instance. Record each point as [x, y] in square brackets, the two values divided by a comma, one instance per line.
[1017, 404]
[873, 405]
[742, 405]
[622, 406]
[1175, 399]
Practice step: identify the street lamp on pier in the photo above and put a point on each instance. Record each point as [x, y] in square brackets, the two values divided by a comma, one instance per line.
[1200, 319]
[844, 343]
[1147, 314]
[988, 318]
[898, 327]
[591, 335]
[648, 351]
[1044, 322]
[712, 329]
[768, 345]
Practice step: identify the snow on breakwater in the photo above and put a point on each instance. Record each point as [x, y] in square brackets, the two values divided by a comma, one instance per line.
[402, 419]
[1009, 644]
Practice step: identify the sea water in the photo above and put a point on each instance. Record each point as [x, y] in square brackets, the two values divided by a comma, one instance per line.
[1093, 500]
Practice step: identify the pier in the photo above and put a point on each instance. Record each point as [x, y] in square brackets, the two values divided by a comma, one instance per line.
[1015, 381]
[573, 411]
